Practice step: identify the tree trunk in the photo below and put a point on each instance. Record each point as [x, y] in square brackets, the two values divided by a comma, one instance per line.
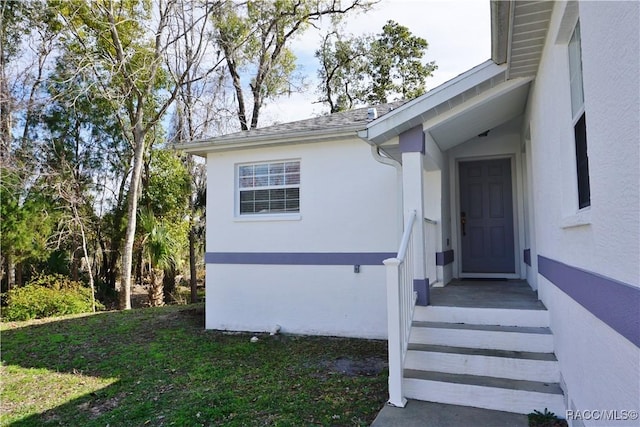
[11, 271]
[89, 263]
[257, 103]
[156, 288]
[5, 108]
[169, 285]
[237, 84]
[115, 241]
[138, 280]
[18, 274]
[74, 262]
[132, 208]
[193, 280]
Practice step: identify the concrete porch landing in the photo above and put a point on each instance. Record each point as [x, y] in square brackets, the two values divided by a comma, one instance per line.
[513, 294]
[430, 414]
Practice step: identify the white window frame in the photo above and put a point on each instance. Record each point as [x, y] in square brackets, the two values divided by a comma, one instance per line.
[576, 83]
[270, 214]
[572, 215]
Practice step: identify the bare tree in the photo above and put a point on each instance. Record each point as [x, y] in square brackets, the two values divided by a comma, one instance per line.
[257, 33]
[66, 185]
[201, 110]
[126, 44]
[27, 45]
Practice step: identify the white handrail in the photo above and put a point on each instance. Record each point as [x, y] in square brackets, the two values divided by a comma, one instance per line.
[401, 300]
[404, 243]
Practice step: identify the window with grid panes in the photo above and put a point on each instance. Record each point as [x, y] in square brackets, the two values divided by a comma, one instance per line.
[269, 188]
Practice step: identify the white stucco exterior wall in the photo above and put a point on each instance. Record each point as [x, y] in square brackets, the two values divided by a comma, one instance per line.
[347, 205]
[529, 186]
[604, 239]
[432, 209]
[347, 199]
[302, 299]
[445, 225]
[600, 367]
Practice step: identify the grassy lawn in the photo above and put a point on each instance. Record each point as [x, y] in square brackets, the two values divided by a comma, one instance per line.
[159, 367]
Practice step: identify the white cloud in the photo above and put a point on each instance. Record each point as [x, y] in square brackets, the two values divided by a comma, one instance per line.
[458, 32]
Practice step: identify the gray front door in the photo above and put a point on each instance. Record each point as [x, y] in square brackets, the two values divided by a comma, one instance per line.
[486, 217]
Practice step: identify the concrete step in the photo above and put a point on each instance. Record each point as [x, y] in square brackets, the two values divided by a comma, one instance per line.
[515, 365]
[482, 316]
[498, 394]
[490, 337]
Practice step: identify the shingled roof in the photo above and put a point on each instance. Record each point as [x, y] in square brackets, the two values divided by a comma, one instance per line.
[308, 130]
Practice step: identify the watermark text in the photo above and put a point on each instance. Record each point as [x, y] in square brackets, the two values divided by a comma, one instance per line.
[602, 414]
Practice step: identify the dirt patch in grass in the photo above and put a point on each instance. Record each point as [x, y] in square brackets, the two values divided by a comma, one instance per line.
[369, 366]
[97, 408]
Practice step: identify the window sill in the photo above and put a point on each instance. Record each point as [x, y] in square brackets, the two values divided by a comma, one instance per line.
[268, 217]
[579, 219]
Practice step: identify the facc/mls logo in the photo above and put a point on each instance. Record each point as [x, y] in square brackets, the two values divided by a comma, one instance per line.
[603, 414]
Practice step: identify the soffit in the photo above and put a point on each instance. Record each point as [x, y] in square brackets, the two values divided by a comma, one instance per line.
[529, 25]
[497, 106]
[438, 101]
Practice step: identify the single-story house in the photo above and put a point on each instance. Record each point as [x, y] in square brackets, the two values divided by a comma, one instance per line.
[523, 169]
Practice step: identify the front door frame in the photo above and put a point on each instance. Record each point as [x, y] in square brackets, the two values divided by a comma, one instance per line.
[515, 182]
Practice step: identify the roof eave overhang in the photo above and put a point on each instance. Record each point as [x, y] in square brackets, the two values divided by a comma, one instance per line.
[484, 112]
[412, 113]
[203, 147]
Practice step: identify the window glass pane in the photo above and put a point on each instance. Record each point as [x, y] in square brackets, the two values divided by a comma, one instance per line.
[292, 167]
[246, 170]
[575, 71]
[292, 193]
[262, 207]
[262, 169]
[277, 205]
[246, 182]
[262, 195]
[261, 181]
[276, 179]
[292, 205]
[247, 207]
[582, 163]
[277, 194]
[247, 196]
[292, 179]
[276, 168]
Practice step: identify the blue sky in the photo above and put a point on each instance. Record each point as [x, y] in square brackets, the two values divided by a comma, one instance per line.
[458, 32]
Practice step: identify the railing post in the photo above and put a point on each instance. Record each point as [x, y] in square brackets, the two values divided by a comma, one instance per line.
[395, 331]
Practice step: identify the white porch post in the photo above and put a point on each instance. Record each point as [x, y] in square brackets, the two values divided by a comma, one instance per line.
[412, 147]
[396, 396]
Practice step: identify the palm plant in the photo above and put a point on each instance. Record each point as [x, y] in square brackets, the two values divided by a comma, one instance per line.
[158, 249]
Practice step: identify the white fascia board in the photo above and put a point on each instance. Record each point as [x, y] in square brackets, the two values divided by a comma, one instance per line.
[410, 114]
[201, 148]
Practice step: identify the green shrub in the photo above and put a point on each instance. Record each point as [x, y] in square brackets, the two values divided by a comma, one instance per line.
[545, 419]
[46, 296]
[56, 281]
